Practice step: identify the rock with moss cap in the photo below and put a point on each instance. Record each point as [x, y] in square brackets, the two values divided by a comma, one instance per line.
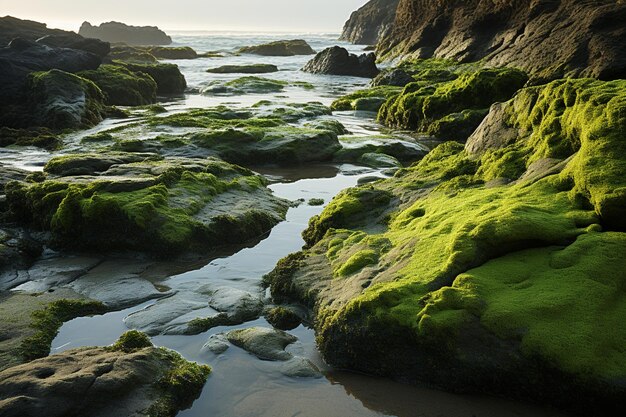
[131, 378]
[156, 206]
[168, 78]
[244, 69]
[122, 87]
[61, 100]
[490, 267]
[280, 48]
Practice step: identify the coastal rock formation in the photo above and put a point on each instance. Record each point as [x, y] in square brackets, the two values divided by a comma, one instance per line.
[116, 32]
[131, 378]
[244, 69]
[338, 61]
[21, 57]
[548, 39]
[370, 23]
[280, 48]
[133, 201]
[492, 267]
[12, 28]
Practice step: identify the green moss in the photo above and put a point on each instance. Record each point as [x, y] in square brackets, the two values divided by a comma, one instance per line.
[131, 341]
[156, 214]
[350, 101]
[57, 100]
[244, 69]
[357, 262]
[316, 202]
[97, 138]
[433, 107]
[179, 386]
[283, 318]
[168, 78]
[47, 322]
[38, 137]
[123, 87]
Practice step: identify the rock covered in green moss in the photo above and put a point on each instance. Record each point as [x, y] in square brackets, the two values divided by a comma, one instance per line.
[279, 48]
[461, 281]
[164, 206]
[61, 100]
[136, 381]
[451, 110]
[173, 52]
[355, 101]
[39, 137]
[122, 87]
[168, 78]
[244, 69]
[283, 318]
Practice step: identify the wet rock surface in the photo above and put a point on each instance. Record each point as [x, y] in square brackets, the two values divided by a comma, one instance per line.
[338, 61]
[101, 382]
[264, 343]
[280, 48]
[370, 23]
[546, 38]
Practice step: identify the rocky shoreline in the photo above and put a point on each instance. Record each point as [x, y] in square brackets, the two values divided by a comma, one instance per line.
[490, 261]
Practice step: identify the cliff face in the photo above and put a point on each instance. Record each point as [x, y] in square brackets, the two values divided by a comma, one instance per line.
[115, 32]
[371, 22]
[549, 38]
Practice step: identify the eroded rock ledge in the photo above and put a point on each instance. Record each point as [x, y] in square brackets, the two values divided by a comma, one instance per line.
[546, 38]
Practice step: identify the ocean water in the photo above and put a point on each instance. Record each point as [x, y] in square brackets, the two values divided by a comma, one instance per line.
[242, 385]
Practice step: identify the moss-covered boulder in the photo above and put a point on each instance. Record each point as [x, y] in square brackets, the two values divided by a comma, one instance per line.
[60, 100]
[163, 207]
[168, 77]
[136, 380]
[244, 69]
[173, 52]
[451, 110]
[494, 267]
[251, 85]
[280, 48]
[122, 87]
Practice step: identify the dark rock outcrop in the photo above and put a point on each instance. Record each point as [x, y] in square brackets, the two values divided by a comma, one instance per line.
[548, 39]
[120, 32]
[12, 28]
[279, 48]
[395, 77]
[338, 61]
[370, 23]
[22, 57]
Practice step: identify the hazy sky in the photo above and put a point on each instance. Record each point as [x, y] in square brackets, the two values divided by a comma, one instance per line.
[278, 15]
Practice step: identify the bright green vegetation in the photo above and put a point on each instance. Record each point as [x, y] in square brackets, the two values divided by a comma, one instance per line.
[164, 207]
[122, 87]
[168, 78]
[131, 341]
[355, 101]
[447, 100]
[64, 101]
[283, 318]
[525, 278]
[180, 385]
[244, 69]
[451, 108]
[47, 322]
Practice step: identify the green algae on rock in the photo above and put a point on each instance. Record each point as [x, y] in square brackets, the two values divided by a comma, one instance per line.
[495, 266]
[122, 87]
[251, 85]
[279, 48]
[244, 69]
[137, 380]
[163, 207]
[61, 100]
[168, 78]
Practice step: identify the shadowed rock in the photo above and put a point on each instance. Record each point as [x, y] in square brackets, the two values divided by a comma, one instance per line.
[338, 61]
[370, 23]
[120, 32]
